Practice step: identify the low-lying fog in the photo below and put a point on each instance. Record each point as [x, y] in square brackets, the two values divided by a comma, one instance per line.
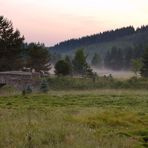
[103, 71]
[116, 74]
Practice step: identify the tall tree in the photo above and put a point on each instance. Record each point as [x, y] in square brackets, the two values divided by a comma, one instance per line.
[144, 69]
[136, 66]
[96, 60]
[79, 62]
[128, 55]
[107, 59]
[62, 68]
[114, 59]
[10, 46]
[38, 57]
[69, 62]
[44, 87]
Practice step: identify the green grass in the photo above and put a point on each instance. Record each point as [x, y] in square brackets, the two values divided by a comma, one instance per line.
[62, 119]
[7, 90]
[69, 83]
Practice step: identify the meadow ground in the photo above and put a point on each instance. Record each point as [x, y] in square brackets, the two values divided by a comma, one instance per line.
[75, 119]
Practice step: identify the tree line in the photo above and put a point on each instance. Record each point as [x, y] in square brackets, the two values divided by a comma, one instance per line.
[133, 59]
[77, 65]
[120, 59]
[99, 38]
[15, 54]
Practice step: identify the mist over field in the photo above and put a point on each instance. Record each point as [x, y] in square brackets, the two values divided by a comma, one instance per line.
[116, 74]
[74, 74]
[122, 74]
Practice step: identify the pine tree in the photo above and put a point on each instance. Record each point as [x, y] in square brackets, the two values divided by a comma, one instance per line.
[10, 46]
[44, 87]
[28, 89]
[38, 57]
[128, 55]
[79, 62]
[96, 60]
[114, 59]
[62, 68]
[144, 69]
[136, 66]
[107, 60]
[69, 62]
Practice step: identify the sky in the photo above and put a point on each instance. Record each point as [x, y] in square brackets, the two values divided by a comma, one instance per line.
[52, 21]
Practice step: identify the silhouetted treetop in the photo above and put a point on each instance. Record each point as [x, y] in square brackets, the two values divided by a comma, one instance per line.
[98, 38]
[11, 43]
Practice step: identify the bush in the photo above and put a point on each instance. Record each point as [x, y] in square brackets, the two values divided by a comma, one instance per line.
[28, 89]
[44, 87]
[133, 80]
[62, 68]
[23, 92]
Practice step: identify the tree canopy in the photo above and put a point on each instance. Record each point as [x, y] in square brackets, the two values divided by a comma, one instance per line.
[62, 68]
[96, 60]
[10, 46]
[136, 66]
[144, 69]
[80, 64]
[38, 57]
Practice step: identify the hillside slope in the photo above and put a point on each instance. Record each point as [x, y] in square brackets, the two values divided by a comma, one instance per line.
[121, 38]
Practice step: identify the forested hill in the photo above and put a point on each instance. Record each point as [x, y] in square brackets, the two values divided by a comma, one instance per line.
[122, 38]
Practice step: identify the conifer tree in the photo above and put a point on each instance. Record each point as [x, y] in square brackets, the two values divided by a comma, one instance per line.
[44, 87]
[38, 57]
[144, 69]
[10, 46]
[96, 60]
[79, 62]
[62, 68]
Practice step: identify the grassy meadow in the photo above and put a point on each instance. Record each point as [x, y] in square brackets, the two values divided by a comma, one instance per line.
[103, 82]
[101, 118]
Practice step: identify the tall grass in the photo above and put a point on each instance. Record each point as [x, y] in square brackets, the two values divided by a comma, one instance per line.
[76, 119]
[8, 90]
[64, 83]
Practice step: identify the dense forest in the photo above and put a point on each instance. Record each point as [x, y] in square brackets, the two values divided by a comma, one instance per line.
[118, 59]
[114, 49]
[133, 35]
[16, 54]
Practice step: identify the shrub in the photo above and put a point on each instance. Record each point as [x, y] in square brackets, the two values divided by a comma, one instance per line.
[44, 87]
[28, 89]
[62, 68]
[23, 92]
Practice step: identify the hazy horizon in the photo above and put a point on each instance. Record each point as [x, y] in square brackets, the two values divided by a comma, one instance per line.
[52, 21]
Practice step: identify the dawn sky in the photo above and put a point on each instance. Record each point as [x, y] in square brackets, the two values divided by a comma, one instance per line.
[52, 21]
